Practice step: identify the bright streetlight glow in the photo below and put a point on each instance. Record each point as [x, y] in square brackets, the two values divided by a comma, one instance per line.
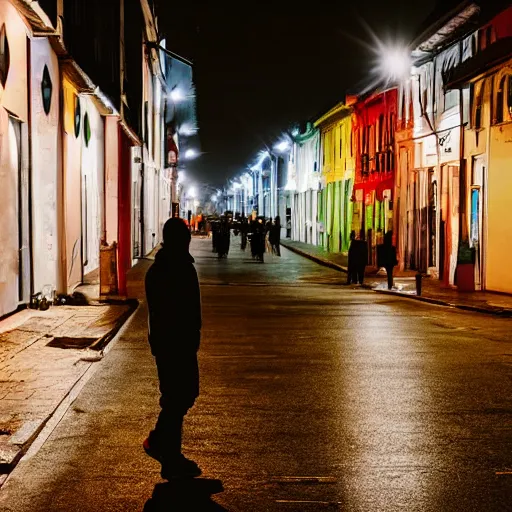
[177, 95]
[282, 146]
[192, 192]
[190, 153]
[394, 62]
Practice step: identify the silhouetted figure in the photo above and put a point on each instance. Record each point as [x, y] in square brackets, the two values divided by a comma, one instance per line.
[258, 239]
[361, 259]
[174, 303]
[274, 236]
[215, 235]
[224, 237]
[244, 230]
[352, 259]
[388, 257]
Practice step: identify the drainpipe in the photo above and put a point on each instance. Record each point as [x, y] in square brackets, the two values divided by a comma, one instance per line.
[142, 207]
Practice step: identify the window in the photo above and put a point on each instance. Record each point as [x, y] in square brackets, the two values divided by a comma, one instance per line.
[402, 110]
[382, 132]
[5, 58]
[87, 130]
[478, 107]
[509, 95]
[451, 99]
[77, 116]
[488, 36]
[46, 90]
[391, 129]
[500, 96]
[474, 45]
[341, 141]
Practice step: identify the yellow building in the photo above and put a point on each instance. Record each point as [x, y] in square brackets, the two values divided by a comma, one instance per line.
[337, 168]
[486, 214]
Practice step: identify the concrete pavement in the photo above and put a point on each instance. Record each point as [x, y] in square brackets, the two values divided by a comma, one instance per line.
[313, 397]
[43, 354]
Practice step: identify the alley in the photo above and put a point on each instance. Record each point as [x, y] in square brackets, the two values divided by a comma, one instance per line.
[314, 396]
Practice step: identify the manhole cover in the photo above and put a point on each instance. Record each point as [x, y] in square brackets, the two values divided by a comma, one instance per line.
[71, 342]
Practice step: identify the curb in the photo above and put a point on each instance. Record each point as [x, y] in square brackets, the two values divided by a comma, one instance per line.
[12, 451]
[100, 343]
[316, 259]
[501, 312]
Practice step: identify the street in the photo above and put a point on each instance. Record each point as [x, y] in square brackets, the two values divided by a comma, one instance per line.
[314, 396]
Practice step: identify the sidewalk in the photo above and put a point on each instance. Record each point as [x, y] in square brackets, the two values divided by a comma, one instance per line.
[433, 291]
[43, 354]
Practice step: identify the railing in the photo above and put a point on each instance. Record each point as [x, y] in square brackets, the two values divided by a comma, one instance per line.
[383, 161]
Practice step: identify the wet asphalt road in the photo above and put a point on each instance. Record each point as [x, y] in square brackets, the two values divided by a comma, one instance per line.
[314, 396]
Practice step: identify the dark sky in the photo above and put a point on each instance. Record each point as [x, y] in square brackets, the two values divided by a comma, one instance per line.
[260, 66]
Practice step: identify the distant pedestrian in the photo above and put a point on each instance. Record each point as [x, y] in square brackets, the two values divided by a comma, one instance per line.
[274, 236]
[174, 303]
[361, 259]
[352, 259]
[388, 257]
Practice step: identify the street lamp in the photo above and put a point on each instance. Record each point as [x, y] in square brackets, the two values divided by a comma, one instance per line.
[282, 146]
[394, 62]
[190, 153]
[177, 95]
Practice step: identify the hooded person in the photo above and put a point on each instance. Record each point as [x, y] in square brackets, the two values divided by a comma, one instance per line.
[174, 304]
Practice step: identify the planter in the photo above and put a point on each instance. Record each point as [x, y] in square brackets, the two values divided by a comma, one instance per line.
[466, 277]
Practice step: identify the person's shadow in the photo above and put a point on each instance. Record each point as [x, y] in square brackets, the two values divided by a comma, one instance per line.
[193, 494]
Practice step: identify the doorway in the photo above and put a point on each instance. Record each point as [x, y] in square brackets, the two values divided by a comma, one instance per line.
[476, 234]
[17, 133]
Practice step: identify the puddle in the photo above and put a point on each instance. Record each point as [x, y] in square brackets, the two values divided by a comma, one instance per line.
[71, 342]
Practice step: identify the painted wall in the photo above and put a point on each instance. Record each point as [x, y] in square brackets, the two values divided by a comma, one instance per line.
[14, 99]
[9, 269]
[72, 159]
[45, 162]
[93, 144]
[111, 177]
[499, 227]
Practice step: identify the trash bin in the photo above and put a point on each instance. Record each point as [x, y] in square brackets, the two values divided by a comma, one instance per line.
[108, 270]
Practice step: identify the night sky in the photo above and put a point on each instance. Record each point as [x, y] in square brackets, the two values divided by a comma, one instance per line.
[260, 66]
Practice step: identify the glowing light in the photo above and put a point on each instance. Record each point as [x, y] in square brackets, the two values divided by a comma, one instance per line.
[282, 146]
[192, 192]
[263, 156]
[214, 197]
[187, 129]
[237, 185]
[394, 62]
[177, 95]
[295, 132]
[190, 153]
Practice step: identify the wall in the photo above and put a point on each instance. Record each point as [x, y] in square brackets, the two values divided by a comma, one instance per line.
[499, 227]
[45, 148]
[92, 183]
[14, 99]
[72, 147]
[9, 211]
[111, 177]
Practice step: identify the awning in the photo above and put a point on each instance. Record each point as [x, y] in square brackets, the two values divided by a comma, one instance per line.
[482, 62]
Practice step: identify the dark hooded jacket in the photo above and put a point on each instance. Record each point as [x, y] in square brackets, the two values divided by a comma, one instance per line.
[174, 302]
